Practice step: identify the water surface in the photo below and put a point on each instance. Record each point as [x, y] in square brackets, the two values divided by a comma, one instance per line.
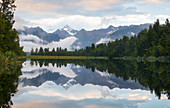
[92, 84]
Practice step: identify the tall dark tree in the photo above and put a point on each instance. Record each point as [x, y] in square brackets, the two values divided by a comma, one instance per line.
[32, 51]
[9, 39]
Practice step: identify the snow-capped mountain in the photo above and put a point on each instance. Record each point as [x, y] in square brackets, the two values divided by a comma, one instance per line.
[65, 32]
[71, 39]
[86, 38]
[69, 30]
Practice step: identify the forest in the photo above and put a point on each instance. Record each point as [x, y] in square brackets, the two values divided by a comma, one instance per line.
[153, 42]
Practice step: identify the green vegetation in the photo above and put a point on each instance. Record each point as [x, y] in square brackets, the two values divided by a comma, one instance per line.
[60, 57]
[9, 40]
[8, 84]
[152, 75]
[9, 50]
[154, 42]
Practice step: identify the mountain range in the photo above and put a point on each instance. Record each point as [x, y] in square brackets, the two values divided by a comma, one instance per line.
[36, 36]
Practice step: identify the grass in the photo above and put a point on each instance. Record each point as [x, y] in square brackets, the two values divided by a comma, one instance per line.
[149, 59]
[139, 59]
[60, 57]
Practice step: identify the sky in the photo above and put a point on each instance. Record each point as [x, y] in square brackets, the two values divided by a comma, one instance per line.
[89, 14]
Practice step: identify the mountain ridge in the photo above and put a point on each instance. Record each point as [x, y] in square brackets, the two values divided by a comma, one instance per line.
[84, 37]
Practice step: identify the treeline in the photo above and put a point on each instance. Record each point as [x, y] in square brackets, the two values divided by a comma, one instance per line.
[99, 50]
[152, 42]
[9, 39]
[54, 52]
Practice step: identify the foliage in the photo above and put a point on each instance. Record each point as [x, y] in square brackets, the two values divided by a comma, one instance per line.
[9, 40]
[8, 58]
[152, 42]
[61, 57]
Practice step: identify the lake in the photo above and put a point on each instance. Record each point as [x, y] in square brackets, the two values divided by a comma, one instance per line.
[85, 84]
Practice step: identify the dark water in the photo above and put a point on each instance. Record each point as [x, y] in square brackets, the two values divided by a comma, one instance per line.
[85, 84]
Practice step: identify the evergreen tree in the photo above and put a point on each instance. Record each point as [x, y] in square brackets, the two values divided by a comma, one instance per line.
[32, 51]
[9, 39]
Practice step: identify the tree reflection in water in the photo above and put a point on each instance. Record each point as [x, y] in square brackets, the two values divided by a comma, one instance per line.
[155, 76]
[8, 84]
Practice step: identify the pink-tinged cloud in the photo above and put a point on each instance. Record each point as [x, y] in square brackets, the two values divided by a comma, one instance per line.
[94, 5]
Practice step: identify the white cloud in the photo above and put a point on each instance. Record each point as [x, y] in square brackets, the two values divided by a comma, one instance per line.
[66, 71]
[89, 23]
[162, 18]
[19, 23]
[88, 91]
[155, 1]
[74, 21]
[94, 5]
[64, 43]
[126, 20]
[87, 95]
[104, 40]
[167, 9]
[33, 38]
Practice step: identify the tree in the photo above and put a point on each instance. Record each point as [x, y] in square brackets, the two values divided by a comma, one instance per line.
[36, 51]
[41, 51]
[9, 39]
[93, 46]
[32, 51]
[167, 22]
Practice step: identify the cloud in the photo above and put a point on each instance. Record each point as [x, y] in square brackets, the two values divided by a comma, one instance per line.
[74, 21]
[104, 40]
[19, 23]
[36, 6]
[87, 14]
[155, 1]
[88, 91]
[94, 5]
[34, 71]
[31, 38]
[87, 96]
[167, 9]
[126, 20]
[162, 18]
[79, 22]
[28, 45]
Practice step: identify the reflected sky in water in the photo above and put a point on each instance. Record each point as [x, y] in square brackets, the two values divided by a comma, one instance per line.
[77, 87]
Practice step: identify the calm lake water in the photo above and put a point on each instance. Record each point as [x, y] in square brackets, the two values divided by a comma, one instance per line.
[86, 84]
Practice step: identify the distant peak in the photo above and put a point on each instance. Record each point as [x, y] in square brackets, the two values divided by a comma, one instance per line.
[37, 27]
[67, 28]
[82, 30]
[111, 27]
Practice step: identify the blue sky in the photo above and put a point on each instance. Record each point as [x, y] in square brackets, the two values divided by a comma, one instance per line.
[89, 14]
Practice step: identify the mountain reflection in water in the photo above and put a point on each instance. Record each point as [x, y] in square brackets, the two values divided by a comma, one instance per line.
[92, 83]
